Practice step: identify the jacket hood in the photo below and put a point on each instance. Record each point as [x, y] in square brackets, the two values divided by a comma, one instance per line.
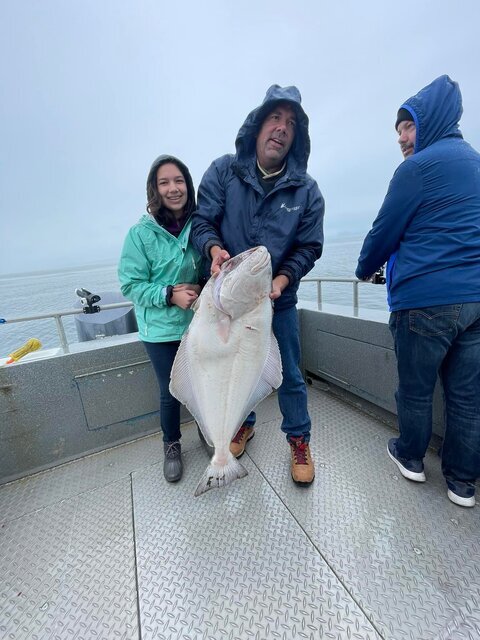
[165, 159]
[436, 111]
[148, 221]
[245, 142]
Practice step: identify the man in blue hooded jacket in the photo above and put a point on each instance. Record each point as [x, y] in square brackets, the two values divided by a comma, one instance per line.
[428, 229]
[263, 195]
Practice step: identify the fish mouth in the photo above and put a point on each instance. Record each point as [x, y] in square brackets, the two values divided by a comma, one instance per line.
[263, 260]
[261, 253]
[238, 259]
[262, 263]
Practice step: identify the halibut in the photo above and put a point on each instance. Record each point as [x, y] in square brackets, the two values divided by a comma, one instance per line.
[228, 360]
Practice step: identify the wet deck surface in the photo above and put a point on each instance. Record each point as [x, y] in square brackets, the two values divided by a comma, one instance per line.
[104, 548]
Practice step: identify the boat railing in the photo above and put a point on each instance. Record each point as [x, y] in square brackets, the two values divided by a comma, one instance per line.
[319, 280]
[59, 315]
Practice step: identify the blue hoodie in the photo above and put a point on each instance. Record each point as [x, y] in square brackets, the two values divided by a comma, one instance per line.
[235, 213]
[428, 227]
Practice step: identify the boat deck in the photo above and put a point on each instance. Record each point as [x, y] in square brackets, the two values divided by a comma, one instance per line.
[103, 548]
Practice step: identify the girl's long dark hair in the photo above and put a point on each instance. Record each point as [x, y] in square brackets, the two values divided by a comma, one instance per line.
[154, 204]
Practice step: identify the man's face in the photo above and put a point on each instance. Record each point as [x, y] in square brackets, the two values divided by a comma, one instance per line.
[276, 137]
[407, 133]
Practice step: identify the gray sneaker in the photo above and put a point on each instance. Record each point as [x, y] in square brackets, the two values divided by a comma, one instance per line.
[461, 493]
[409, 468]
[172, 464]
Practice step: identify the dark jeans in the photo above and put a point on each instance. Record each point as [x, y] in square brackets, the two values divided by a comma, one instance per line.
[162, 355]
[442, 340]
[292, 394]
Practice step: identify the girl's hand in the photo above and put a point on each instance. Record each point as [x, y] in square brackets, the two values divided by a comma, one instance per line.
[184, 295]
[188, 287]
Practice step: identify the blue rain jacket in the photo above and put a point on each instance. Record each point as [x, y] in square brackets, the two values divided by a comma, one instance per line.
[428, 227]
[235, 213]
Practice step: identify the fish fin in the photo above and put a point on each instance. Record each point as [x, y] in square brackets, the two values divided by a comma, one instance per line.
[272, 370]
[216, 477]
[270, 378]
[224, 323]
[205, 434]
[183, 389]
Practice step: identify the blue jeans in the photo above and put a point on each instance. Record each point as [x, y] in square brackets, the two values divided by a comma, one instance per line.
[162, 355]
[292, 394]
[442, 340]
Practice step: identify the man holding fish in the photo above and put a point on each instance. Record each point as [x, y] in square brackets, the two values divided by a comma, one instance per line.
[263, 195]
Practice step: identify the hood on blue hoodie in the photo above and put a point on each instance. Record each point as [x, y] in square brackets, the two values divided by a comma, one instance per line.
[246, 140]
[436, 111]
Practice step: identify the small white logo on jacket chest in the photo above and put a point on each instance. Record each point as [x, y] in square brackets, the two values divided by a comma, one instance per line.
[289, 209]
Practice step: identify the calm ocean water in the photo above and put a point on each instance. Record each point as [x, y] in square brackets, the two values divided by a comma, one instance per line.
[38, 293]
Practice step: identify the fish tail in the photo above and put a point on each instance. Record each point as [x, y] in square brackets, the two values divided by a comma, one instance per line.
[217, 476]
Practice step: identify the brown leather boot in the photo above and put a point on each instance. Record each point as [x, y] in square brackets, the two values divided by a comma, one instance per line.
[302, 467]
[240, 439]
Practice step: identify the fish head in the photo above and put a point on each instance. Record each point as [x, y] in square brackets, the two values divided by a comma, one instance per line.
[243, 282]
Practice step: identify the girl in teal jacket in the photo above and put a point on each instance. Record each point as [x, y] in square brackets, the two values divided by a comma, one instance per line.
[160, 271]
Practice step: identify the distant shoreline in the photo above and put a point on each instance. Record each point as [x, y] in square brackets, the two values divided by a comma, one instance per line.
[337, 238]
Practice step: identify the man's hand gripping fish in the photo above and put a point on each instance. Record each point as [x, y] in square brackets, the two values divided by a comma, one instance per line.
[228, 361]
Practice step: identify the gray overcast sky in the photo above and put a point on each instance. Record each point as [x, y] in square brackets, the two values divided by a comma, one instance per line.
[94, 90]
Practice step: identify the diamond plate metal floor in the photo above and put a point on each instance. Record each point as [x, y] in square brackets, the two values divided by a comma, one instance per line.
[104, 548]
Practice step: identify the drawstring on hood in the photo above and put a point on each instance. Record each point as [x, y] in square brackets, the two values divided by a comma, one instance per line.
[245, 142]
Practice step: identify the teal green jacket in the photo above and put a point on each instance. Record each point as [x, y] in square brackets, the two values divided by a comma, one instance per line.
[152, 259]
